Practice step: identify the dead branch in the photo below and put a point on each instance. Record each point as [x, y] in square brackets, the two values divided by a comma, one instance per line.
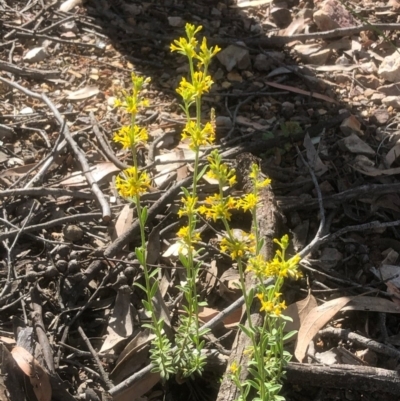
[360, 378]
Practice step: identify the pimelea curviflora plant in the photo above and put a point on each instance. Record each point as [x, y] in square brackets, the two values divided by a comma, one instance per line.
[189, 359]
[268, 358]
[131, 185]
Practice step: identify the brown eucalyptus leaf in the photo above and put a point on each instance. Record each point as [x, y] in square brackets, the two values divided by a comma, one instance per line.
[314, 321]
[121, 321]
[372, 304]
[124, 222]
[37, 375]
[298, 311]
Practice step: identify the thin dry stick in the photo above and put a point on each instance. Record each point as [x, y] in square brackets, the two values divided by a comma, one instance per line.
[103, 373]
[41, 191]
[37, 317]
[318, 237]
[104, 145]
[74, 146]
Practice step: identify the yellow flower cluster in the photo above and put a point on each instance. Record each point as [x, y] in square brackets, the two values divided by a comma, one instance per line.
[220, 170]
[272, 306]
[187, 237]
[238, 248]
[248, 202]
[131, 103]
[234, 368]
[198, 136]
[131, 183]
[217, 207]
[188, 206]
[255, 177]
[278, 266]
[187, 47]
[200, 83]
[130, 136]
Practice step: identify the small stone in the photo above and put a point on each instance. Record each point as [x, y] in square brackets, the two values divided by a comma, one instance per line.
[332, 15]
[380, 116]
[234, 56]
[223, 122]
[370, 81]
[377, 97]
[234, 76]
[390, 68]
[69, 26]
[393, 101]
[287, 109]
[320, 57]
[215, 12]
[354, 144]
[72, 233]
[330, 257]
[390, 90]
[35, 55]
[368, 92]
[350, 125]
[281, 15]
[226, 85]
[176, 22]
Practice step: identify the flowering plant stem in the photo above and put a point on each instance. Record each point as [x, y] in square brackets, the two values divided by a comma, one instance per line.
[188, 339]
[131, 184]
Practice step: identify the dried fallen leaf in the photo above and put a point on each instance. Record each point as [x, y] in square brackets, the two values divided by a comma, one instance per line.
[121, 321]
[393, 154]
[18, 171]
[231, 321]
[37, 375]
[153, 245]
[69, 5]
[133, 355]
[98, 171]
[313, 158]
[124, 221]
[301, 91]
[83, 93]
[372, 304]
[314, 321]
[298, 311]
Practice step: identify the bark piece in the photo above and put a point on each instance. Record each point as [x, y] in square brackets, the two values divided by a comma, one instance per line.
[269, 221]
